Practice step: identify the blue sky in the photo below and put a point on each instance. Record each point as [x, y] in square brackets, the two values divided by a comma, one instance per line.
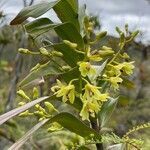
[111, 13]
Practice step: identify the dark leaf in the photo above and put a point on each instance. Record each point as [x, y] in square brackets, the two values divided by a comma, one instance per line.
[33, 11]
[74, 4]
[73, 124]
[67, 31]
[70, 56]
[66, 13]
[39, 26]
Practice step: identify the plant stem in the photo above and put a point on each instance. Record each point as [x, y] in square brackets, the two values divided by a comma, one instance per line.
[95, 126]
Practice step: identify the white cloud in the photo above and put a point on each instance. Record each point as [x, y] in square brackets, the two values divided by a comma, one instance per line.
[112, 13]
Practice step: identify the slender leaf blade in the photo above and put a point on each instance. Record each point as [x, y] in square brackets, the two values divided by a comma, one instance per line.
[33, 11]
[16, 111]
[46, 69]
[66, 13]
[82, 15]
[22, 140]
[39, 26]
[74, 4]
[107, 110]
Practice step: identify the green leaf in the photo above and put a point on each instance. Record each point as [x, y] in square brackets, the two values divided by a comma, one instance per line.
[66, 13]
[66, 120]
[74, 4]
[73, 124]
[68, 32]
[74, 73]
[39, 26]
[107, 110]
[82, 15]
[33, 11]
[99, 70]
[22, 140]
[14, 112]
[47, 69]
[70, 56]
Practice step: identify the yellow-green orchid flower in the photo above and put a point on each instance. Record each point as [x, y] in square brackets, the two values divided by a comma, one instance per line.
[92, 92]
[86, 69]
[127, 67]
[113, 70]
[67, 92]
[115, 81]
[89, 109]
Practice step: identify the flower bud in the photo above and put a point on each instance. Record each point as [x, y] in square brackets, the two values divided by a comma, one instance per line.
[44, 51]
[122, 40]
[106, 48]
[126, 28]
[118, 30]
[57, 54]
[24, 51]
[22, 94]
[133, 35]
[21, 103]
[25, 114]
[35, 93]
[106, 53]
[101, 35]
[70, 44]
[40, 108]
[39, 113]
[37, 66]
[50, 107]
[66, 68]
[86, 22]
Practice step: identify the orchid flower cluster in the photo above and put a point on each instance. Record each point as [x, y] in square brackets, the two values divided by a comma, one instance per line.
[101, 72]
[104, 66]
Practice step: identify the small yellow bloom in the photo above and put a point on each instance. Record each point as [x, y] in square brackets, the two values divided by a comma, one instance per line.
[85, 112]
[127, 67]
[89, 109]
[92, 92]
[113, 70]
[67, 92]
[115, 81]
[106, 51]
[86, 69]
[92, 100]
